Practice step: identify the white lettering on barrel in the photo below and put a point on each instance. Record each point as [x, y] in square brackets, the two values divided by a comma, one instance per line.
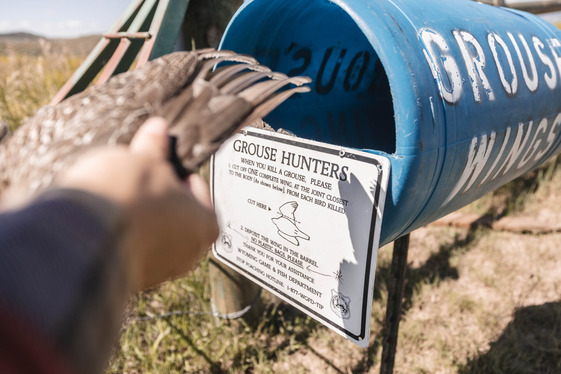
[551, 77]
[475, 163]
[449, 83]
[531, 83]
[542, 127]
[554, 44]
[511, 88]
[516, 148]
[474, 64]
[501, 151]
[550, 137]
[516, 155]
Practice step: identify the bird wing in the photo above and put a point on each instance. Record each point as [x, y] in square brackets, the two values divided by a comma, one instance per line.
[206, 96]
[222, 99]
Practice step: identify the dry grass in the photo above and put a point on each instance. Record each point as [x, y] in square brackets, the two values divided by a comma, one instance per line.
[28, 82]
[476, 301]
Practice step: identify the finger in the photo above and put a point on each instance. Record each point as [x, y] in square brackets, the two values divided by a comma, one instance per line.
[200, 190]
[151, 138]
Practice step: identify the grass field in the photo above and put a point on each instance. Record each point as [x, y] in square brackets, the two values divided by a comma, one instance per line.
[477, 301]
[29, 82]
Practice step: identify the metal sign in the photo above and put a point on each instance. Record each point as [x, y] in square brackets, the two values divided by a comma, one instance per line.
[302, 219]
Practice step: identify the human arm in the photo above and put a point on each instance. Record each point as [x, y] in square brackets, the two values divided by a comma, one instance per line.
[119, 220]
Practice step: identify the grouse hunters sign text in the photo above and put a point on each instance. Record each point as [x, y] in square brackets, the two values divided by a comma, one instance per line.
[302, 219]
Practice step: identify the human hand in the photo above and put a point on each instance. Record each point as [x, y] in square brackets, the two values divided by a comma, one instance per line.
[169, 224]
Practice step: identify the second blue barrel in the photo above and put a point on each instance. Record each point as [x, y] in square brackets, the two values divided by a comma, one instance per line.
[462, 97]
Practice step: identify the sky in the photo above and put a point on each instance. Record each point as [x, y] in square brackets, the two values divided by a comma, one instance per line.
[60, 18]
[71, 18]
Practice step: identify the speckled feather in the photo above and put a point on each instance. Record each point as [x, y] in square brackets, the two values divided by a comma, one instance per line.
[204, 104]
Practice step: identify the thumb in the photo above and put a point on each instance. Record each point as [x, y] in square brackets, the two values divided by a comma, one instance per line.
[200, 190]
[151, 138]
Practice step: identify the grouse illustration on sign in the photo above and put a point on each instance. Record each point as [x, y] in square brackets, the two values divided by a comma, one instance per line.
[286, 224]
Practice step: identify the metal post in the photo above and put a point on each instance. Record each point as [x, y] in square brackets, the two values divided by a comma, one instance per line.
[396, 286]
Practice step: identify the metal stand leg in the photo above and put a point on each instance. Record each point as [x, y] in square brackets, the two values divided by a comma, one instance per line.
[396, 286]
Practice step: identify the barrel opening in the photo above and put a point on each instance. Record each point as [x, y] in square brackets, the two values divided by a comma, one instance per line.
[351, 102]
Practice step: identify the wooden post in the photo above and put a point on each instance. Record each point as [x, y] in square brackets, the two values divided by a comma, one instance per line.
[232, 294]
[396, 286]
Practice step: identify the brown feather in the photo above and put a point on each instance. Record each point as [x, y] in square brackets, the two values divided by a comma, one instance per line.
[204, 103]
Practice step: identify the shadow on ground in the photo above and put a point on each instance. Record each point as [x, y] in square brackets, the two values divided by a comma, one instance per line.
[435, 270]
[531, 343]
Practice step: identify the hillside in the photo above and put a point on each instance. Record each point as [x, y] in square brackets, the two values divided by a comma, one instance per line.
[18, 37]
[22, 43]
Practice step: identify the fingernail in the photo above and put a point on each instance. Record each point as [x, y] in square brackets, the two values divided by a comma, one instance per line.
[155, 125]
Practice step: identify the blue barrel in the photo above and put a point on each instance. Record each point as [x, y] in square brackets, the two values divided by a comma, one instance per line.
[462, 97]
